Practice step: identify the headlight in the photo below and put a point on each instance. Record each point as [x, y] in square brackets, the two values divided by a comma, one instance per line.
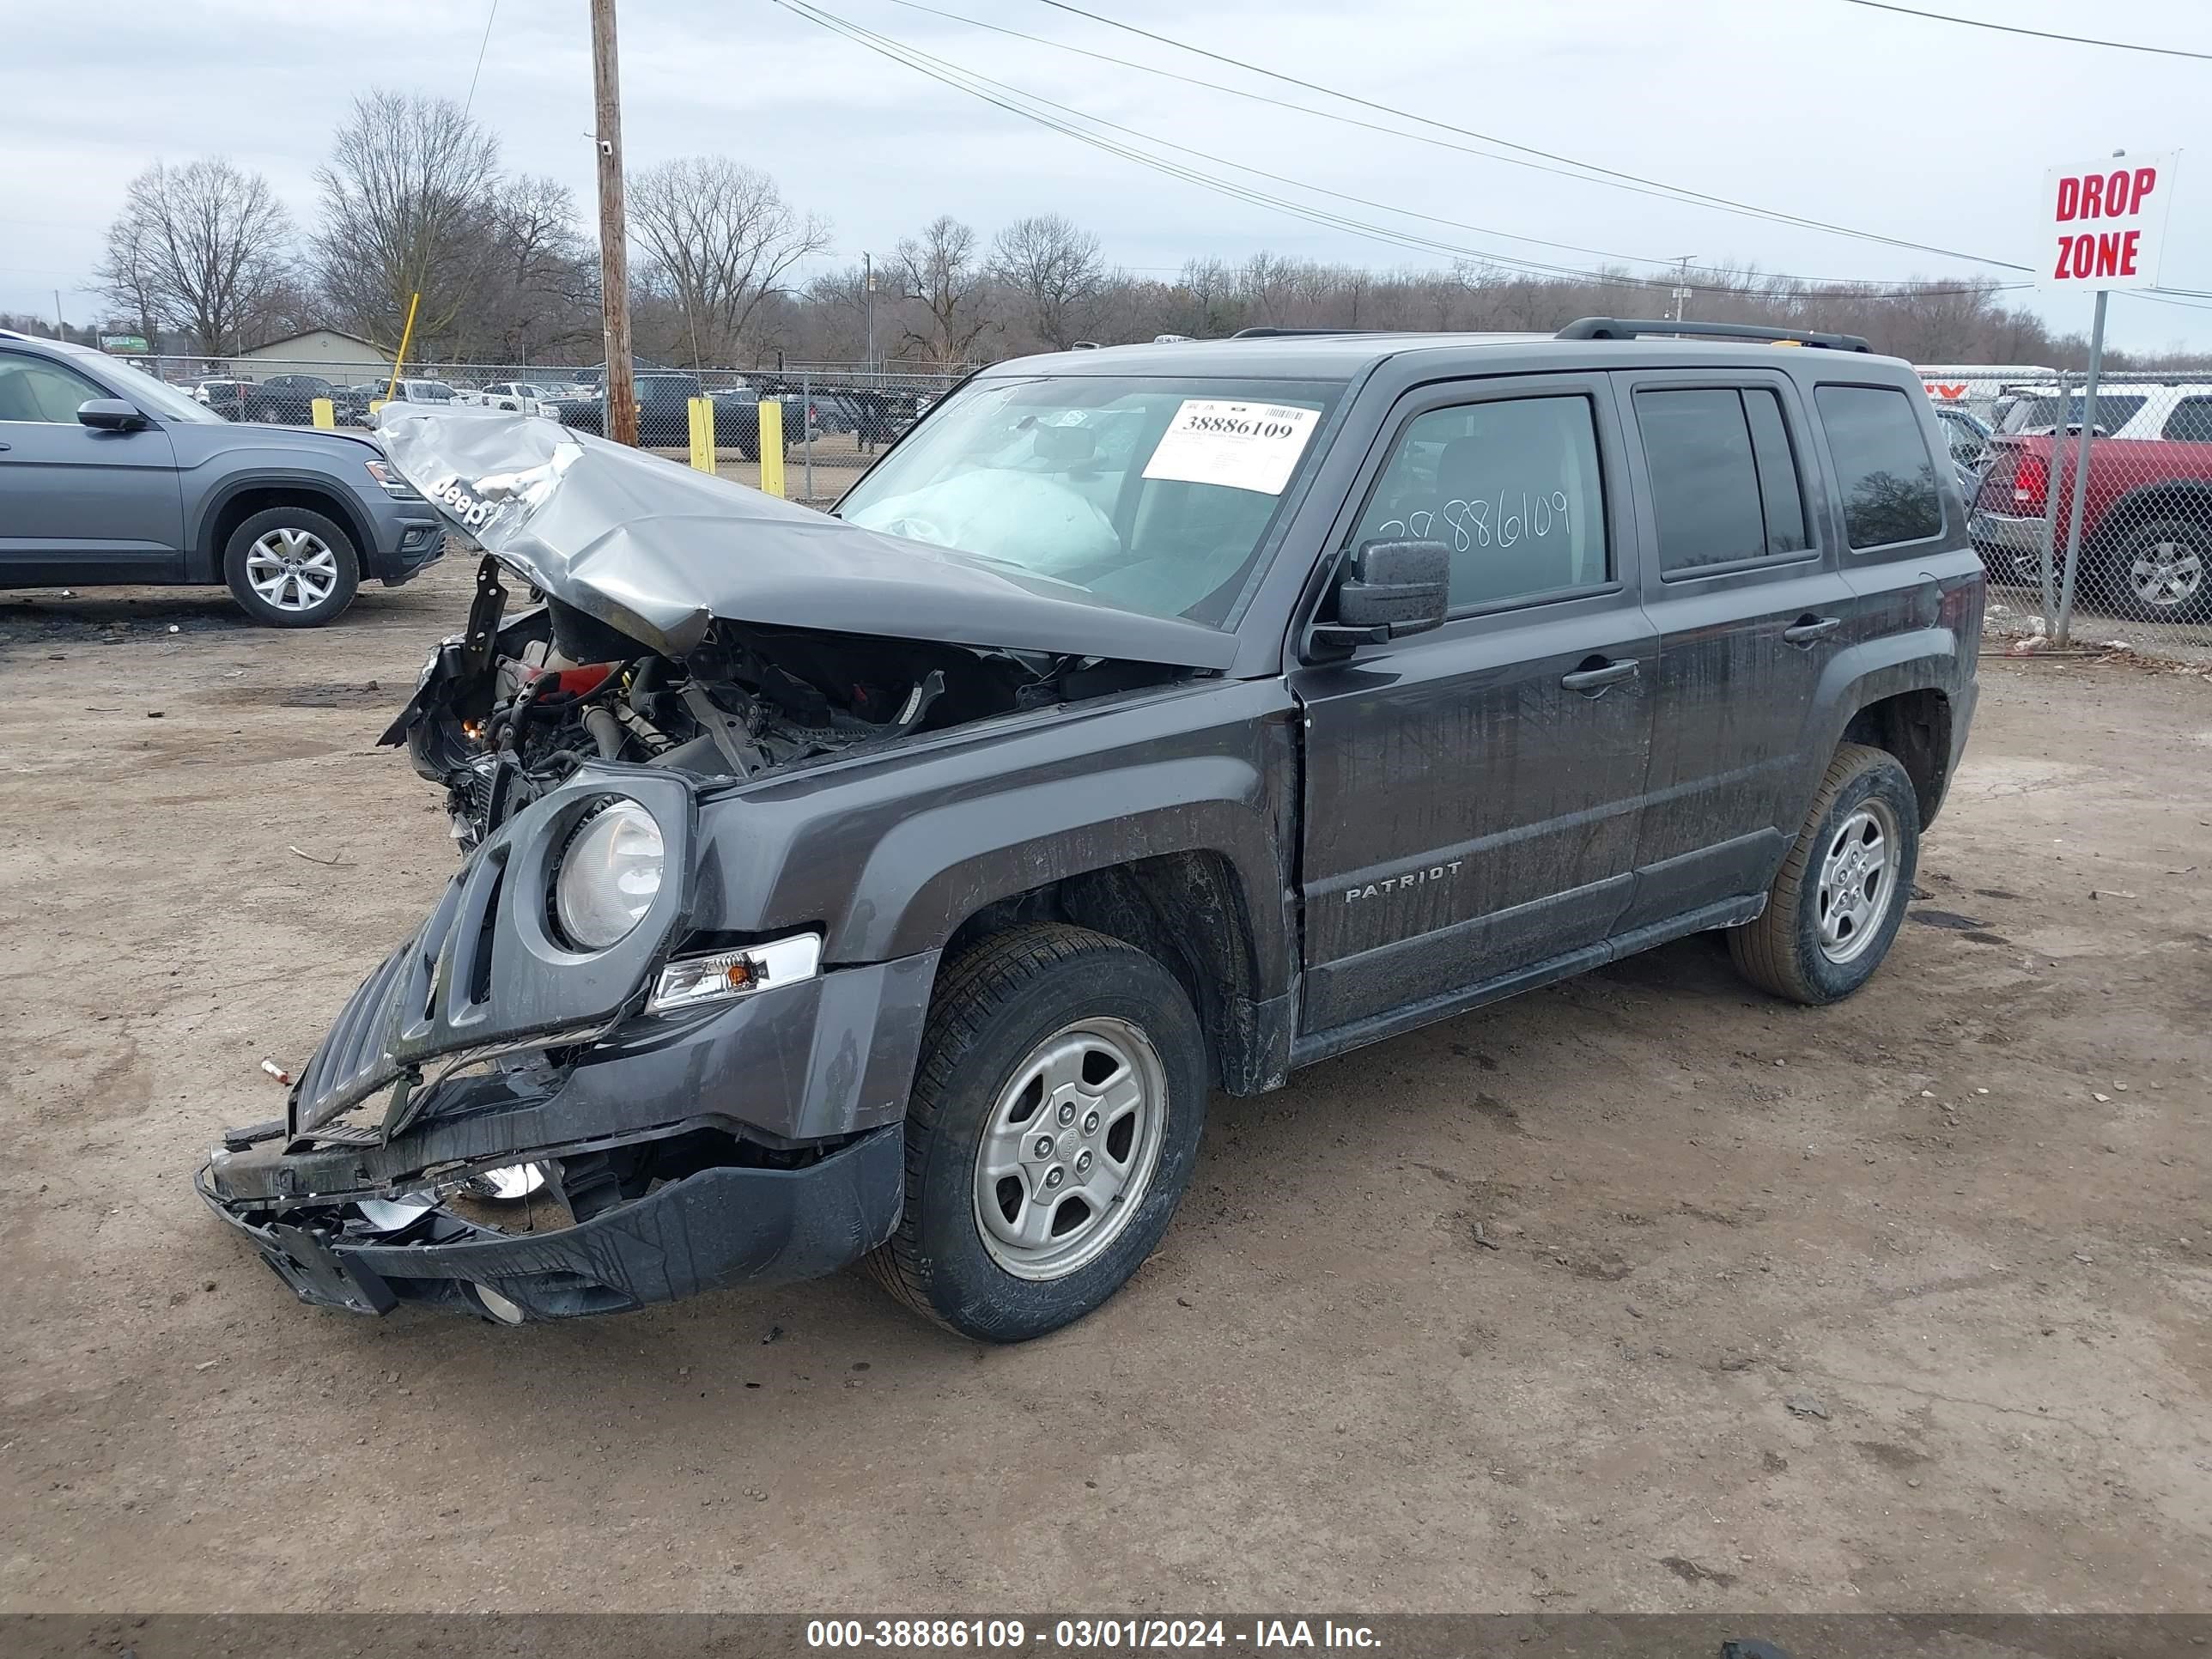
[546, 411]
[608, 877]
[689, 980]
[395, 485]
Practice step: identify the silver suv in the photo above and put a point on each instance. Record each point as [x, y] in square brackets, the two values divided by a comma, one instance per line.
[108, 475]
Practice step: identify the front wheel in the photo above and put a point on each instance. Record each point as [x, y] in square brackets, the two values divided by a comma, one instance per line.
[1051, 1133]
[291, 567]
[1836, 904]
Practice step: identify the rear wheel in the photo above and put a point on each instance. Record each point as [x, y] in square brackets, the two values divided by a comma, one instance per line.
[290, 567]
[1836, 904]
[1051, 1131]
[2163, 573]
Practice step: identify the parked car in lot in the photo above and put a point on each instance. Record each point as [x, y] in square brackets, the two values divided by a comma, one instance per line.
[517, 397]
[227, 397]
[1966, 440]
[2128, 410]
[422, 391]
[663, 413]
[1151, 720]
[2146, 520]
[287, 399]
[107, 475]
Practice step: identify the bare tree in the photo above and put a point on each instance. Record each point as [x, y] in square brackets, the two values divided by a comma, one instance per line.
[540, 290]
[719, 238]
[200, 247]
[1056, 269]
[404, 194]
[938, 272]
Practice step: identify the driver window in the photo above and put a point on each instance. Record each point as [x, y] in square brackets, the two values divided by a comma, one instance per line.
[33, 391]
[1511, 486]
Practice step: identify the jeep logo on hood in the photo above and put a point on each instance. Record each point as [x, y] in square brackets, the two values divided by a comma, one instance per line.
[470, 512]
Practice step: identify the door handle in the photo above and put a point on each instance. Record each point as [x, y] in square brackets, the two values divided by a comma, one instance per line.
[1806, 630]
[4, 446]
[1593, 681]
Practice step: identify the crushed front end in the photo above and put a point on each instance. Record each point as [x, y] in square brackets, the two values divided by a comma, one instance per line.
[560, 1097]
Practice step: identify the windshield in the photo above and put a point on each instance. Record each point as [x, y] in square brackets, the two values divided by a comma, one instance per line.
[2040, 413]
[154, 397]
[1153, 495]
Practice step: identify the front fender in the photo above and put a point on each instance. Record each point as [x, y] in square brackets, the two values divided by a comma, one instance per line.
[890, 853]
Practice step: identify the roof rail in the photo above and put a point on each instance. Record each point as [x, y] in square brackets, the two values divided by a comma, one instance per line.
[1282, 333]
[1626, 328]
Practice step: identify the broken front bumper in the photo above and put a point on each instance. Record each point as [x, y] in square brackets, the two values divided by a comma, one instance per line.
[751, 1142]
[711, 1230]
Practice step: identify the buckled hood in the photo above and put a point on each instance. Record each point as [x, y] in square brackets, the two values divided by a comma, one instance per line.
[658, 549]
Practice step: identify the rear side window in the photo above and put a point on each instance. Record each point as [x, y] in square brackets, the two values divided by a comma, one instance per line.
[1882, 463]
[2191, 422]
[1724, 484]
[1511, 486]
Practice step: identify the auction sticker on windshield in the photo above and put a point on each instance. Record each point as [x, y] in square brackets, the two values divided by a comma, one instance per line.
[1241, 446]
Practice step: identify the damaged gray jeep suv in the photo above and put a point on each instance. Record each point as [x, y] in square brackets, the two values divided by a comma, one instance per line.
[897, 884]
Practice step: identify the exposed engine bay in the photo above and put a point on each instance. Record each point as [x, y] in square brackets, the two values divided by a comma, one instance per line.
[507, 710]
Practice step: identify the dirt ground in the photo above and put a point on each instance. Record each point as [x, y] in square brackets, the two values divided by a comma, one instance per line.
[1640, 1293]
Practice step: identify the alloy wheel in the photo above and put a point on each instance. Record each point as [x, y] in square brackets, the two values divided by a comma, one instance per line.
[2166, 575]
[1070, 1147]
[1858, 880]
[293, 570]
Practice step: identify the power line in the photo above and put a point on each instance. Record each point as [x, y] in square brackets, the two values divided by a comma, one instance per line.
[967, 81]
[1329, 115]
[1307, 109]
[2011, 28]
[1588, 168]
[490, 18]
[2162, 298]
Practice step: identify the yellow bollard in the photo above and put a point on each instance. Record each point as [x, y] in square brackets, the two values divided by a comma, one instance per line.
[375, 404]
[702, 434]
[771, 446]
[325, 412]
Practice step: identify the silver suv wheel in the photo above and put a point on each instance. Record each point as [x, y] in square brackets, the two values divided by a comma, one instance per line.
[293, 570]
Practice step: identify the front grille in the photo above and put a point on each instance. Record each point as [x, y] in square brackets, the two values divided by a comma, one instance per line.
[354, 1060]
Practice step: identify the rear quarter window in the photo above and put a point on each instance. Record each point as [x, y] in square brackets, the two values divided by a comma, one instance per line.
[1882, 466]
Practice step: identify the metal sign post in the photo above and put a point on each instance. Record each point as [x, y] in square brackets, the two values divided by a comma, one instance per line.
[2061, 630]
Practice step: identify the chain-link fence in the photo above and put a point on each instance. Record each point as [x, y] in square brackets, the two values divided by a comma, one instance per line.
[2141, 573]
[2126, 559]
[835, 417]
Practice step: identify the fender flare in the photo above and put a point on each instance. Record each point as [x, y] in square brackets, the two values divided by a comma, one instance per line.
[204, 558]
[910, 899]
[1921, 659]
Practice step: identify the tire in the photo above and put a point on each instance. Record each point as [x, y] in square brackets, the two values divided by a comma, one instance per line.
[323, 584]
[2163, 572]
[1033, 999]
[1784, 951]
[749, 449]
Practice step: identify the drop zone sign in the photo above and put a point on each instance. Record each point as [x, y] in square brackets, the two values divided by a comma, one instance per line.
[2105, 223]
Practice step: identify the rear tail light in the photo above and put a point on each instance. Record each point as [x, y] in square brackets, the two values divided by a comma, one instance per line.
[2031, 482]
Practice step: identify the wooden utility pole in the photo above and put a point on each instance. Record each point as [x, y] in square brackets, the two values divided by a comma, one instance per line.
[621, 389]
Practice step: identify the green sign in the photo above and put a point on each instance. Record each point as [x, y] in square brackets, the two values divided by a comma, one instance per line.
[124, 343]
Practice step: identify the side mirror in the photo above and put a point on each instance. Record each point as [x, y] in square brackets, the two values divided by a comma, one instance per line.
[1385, 590]
[110, 415]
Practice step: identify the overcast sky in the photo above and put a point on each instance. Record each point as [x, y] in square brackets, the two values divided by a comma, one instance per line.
[1914, 129]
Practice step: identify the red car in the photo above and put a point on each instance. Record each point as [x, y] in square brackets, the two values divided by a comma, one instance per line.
[2145, 521]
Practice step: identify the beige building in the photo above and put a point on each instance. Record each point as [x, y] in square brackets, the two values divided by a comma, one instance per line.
[344, 358]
